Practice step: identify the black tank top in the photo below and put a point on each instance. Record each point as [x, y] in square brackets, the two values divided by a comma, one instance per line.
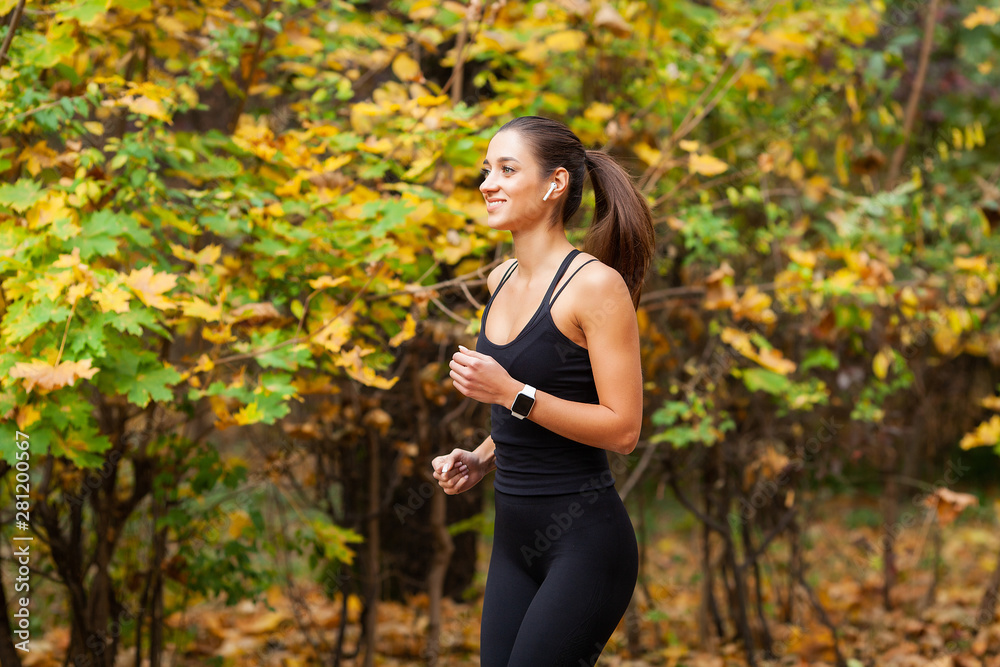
[530, 459]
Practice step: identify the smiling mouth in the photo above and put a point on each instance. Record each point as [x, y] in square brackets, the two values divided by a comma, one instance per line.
[492, 205]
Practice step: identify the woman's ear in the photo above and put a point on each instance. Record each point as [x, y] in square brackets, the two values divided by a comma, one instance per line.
[561, 178]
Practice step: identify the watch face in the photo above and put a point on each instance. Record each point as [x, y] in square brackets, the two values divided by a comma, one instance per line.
[522, 404]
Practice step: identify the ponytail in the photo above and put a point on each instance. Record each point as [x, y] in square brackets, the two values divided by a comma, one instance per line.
[621, 233]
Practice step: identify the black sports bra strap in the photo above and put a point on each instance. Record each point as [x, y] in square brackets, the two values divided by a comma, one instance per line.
[506, 275]
[570, 278]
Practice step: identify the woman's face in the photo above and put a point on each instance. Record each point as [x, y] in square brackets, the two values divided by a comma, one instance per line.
[513, 186]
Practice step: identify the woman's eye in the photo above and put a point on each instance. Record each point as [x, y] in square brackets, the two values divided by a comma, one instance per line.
[505, 167]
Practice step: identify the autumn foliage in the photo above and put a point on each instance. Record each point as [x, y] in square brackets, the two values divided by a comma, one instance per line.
[239, 240]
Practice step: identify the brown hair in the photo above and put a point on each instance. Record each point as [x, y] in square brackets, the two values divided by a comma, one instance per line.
[621, 233]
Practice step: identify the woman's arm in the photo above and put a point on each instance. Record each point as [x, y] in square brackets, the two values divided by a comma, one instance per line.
[605, 312]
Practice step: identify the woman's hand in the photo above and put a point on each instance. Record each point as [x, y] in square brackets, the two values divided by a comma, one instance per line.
[482, 378]
[458, 471]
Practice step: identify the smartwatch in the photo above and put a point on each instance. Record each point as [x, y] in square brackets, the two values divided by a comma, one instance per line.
[523, 402]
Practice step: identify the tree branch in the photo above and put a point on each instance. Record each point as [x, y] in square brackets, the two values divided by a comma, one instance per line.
[15, 20]
[918, 86]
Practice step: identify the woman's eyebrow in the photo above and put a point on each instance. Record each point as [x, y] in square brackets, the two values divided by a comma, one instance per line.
[504, 159]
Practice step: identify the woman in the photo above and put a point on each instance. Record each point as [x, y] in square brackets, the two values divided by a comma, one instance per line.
[564, 379]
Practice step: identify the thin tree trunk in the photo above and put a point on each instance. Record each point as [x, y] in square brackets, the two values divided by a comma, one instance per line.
[988, 605]
[443, 549]
[918, 85]
[374, 546]
[890, 513]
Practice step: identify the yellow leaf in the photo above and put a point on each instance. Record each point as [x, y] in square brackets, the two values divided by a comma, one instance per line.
[406, 68]
[204, 364]
[982, 16]
[880, 364]
[816, 187]
[351, 362]
[27, 415]
[944, 339]
[431, 100]
[248, 414]
[975, 264]
[984, 435]
[566, 40]
[239, 520]
[719, 292]
[201, 309]
[908, 301]
[421, 166]
[206, 256]
[784, 42]
[377, 146]
[805, 258]
[94, 127]
[949, 504]
[171, 25]
[599, 112]
[48, 377]
[267, 622]
[499, 108]
[991, 402]
[647, 153]
[327, 281]
[304, 44]
[78, 290]
[706, 165]
[755, 306]
[775, 361]
[334, 335]
[608, 17]
[150, 286]
[688, 145]
[50, 209]
[770, 359]
[406, 333]
[851, 94]
[147, 107]
[112, 299]
[423, 9]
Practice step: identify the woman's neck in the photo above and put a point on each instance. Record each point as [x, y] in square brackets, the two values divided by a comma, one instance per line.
[539, 253]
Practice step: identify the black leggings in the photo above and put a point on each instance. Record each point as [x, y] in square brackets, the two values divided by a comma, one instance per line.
[560, 578]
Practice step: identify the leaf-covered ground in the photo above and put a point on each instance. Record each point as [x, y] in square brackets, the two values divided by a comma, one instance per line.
[944, 633]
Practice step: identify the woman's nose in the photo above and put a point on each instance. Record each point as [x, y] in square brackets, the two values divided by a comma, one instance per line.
[486, 185]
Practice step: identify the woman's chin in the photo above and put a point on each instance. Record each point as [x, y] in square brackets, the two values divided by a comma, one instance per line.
[497, 223]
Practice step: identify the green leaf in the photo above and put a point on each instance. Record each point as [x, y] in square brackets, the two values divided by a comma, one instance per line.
[769, 381]
[47, 51]
[135, 6]
[819, 358]
[86, 12]
[21, 195]
[153, 383]
[106, 223]
[39, 440]
[24, 318]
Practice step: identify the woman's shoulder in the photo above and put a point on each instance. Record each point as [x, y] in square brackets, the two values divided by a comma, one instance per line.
[497, 273]
[593, 273]
[595, 282]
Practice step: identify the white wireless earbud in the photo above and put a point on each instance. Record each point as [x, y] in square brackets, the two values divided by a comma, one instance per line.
[551, 188]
